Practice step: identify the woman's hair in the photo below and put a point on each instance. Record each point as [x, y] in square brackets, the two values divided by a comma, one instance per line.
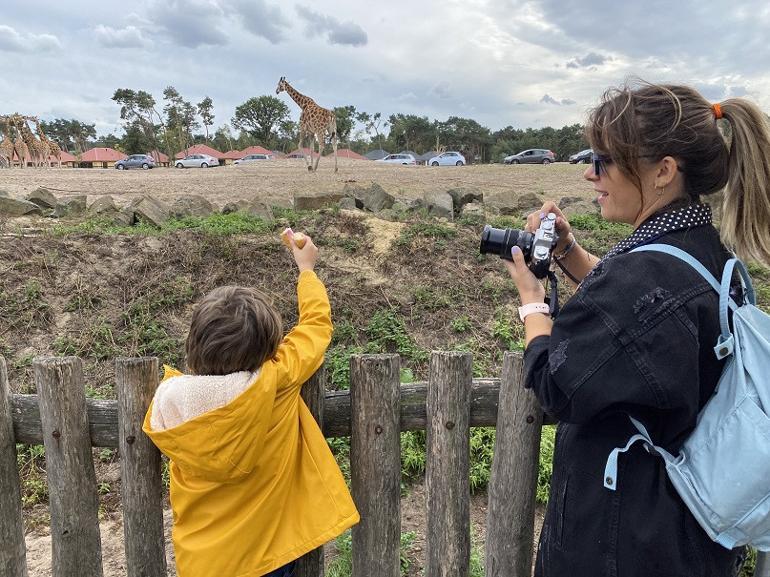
[232, 329]
[648, 122]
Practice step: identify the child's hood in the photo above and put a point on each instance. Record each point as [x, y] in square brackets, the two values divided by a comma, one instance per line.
[222, 444]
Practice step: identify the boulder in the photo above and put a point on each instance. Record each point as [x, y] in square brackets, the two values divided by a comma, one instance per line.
[103, 205]
[43, 198]
[70, 206]
[193, 205]
[522, 205]
[151, 211]
[473, 209]
[4, 194]
[238, 206]
[376, 199]
[463, 196]
[316, 201]
[124, 217]
[17, 207]
[348, 203]
[439, 204]
[260, 209]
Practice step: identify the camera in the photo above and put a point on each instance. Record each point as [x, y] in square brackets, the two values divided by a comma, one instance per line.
[536, 246]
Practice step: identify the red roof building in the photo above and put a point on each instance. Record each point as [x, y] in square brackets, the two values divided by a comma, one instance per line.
[255, 150]
[201, 149]
[347, 153]
[301, 153]
[102, 155]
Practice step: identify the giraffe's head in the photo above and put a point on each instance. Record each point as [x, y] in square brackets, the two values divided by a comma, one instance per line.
[281, 85]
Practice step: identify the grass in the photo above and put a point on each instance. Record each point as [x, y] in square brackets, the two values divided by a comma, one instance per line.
[342, 565]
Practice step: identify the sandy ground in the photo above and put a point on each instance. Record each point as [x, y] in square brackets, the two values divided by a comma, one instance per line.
[277, 181]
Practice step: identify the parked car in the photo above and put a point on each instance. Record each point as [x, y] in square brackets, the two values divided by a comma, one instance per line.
[582, 157]
[531, 156]
[252, 158]
[398, 159]
[143, 161]
[197, 161]
[447, 159]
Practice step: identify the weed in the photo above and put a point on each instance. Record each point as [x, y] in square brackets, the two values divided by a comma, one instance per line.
[387, 333]
[342, 565]
[337, 365]
[431, 230]
[461, 324]
[508, 331]
[545, 470]
[30, 460]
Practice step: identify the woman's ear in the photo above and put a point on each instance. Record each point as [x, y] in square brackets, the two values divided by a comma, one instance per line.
[667, 169]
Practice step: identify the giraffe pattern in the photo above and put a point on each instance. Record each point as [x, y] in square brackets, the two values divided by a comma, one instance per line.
[7, 149]
[20, 148]
[37, 151]
[315, 122]
[53, 148]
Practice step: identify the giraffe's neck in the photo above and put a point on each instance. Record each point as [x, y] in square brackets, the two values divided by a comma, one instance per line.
[297, 97]
[41, 135]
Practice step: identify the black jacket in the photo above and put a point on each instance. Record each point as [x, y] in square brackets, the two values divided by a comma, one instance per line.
[635, 339]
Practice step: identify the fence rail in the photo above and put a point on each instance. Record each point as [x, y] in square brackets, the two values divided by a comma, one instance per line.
[373, 413]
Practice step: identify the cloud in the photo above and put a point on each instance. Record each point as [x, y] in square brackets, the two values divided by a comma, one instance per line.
[128, 37]
[192, 23]
[336, 32]
[441, 90]
[262, 20]
[590, 59]
[567, 102]
[13, 41]
[549, 100]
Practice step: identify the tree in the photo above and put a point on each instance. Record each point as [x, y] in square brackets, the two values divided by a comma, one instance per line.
[205, 107]
[223, 138]
[140, 106]
[410, 132]
[260, 116]
[373, 123]
[72, 135]
[346, 119]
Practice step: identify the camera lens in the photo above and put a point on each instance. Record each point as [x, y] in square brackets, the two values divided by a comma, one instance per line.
[498, 241]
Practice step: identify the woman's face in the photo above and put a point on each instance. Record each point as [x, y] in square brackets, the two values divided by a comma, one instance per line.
[619, 197]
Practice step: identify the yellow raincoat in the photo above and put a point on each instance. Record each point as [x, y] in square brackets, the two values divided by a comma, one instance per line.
[253, 483]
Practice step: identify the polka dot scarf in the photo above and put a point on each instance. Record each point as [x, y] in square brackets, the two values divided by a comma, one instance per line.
[663, 223]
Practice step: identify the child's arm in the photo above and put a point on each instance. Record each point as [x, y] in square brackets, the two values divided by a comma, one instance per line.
[302, 351]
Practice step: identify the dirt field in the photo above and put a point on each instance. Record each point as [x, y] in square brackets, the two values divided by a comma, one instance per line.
[278, 180]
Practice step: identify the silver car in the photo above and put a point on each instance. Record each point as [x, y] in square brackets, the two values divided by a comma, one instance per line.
[398, 159]
[450, 158]
[197, 161]
[252, 158]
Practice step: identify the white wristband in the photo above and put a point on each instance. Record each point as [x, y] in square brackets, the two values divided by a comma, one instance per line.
[531, 308]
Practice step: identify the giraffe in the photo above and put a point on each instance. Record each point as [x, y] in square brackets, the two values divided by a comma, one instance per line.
[37, 150]
[315, 121]
[53, 148]
[18, 142]
[6, 146]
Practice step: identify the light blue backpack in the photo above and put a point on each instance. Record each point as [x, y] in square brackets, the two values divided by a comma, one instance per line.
[722, 471]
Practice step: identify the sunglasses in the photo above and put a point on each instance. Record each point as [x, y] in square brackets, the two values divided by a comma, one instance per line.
[600, 163]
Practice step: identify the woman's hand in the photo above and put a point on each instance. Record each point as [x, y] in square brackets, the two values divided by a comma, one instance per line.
[530, 288]
[563, 228]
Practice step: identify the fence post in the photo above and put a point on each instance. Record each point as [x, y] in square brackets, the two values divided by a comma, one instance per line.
[313, 392]
[447, 468]
[513, 485]
[75, 540]
[140, 470]
[12, 546]
[375, 463]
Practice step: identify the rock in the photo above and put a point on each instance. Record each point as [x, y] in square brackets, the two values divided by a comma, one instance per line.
[348, 203]
[581, 207]
[4, 194]
[151, 211]
[17, 207]
[314, 202]
[43, 198]
[387, 214]
[462, 196]
[261, 210]
[193, 205]
[125, 217]
[103, 205]
[522, 205]
[473, 209]
[238, 206]
[376, 199]
[70, 206]
[439, 204]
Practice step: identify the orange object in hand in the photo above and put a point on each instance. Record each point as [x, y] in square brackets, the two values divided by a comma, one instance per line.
[299, 238]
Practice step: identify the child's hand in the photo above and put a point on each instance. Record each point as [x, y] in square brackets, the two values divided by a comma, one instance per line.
[306, 256]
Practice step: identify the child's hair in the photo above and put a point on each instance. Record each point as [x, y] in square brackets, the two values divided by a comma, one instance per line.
[232, 329]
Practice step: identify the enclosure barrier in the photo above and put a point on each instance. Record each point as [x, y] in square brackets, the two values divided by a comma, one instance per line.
[373, 413]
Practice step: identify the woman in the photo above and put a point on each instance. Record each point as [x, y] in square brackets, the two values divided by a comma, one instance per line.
[637, 337]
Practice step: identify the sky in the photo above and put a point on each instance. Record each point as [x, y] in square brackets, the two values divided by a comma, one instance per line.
[529, 63]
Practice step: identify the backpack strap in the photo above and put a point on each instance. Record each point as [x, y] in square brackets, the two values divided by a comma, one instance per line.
[725, 342]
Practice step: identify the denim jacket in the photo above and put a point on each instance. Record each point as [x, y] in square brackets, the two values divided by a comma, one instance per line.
[635, 339]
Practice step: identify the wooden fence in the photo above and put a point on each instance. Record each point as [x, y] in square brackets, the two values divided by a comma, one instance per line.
[373, 413]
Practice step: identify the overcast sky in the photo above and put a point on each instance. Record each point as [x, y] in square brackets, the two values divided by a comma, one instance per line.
[501, 62]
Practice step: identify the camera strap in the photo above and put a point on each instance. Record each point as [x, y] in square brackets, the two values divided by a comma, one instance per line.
[552, 300]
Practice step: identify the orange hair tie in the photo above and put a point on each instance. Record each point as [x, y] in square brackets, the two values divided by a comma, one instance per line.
[717, 111]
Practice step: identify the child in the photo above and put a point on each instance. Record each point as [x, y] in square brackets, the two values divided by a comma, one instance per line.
[254, 485]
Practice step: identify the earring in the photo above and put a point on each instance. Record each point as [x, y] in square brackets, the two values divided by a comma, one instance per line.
[661, 191]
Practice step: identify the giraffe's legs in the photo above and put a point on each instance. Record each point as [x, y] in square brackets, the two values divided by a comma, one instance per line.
[301, 140]
[320, 150]
[334, 145]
